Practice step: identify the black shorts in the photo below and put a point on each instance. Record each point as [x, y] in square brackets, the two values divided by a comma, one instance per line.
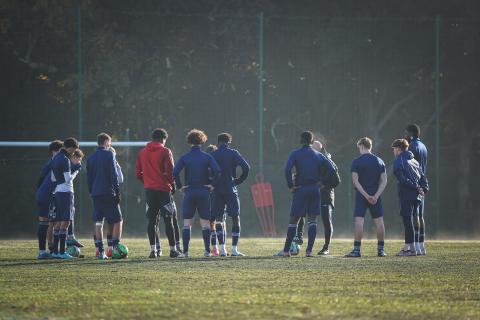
[160, 203]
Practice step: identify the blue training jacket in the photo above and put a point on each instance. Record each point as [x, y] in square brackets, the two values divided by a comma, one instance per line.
[45, 185]
[61, 164]
[420, 153]
[308, 165]
[102, 173]
[229, 159]
[409, 176]
[197, 164]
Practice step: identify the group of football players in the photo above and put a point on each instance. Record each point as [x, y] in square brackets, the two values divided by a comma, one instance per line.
[209, 188]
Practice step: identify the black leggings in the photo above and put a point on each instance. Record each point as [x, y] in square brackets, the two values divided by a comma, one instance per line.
[157, 205]
[409, 229]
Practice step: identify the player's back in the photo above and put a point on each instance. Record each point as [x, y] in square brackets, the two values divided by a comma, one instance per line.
[156, 163]
[307, 163]
[228, 159]
[369, 168]
[196, 164]
[46, 186]
[101, 173]
[419, 150]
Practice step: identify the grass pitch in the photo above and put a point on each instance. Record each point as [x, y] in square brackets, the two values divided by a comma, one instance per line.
[443, 285]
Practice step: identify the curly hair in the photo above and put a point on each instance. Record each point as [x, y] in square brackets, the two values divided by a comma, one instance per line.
[196, 137]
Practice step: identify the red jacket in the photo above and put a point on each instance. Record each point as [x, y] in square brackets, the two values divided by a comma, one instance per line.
[154, 167]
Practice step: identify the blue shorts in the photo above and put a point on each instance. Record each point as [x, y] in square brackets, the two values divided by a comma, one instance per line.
[409, 208]
[306, 201]
[228, 203]
[63, 206]
[106, 206]
[361, 206]
[44, 209]
[196, 199]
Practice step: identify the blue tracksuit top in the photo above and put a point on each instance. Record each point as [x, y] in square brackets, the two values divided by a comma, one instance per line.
[409, 176]
[102, 175]
[229, 159]
[45, 185]
[308, 165]
[420, 153]
[60, 164]
[197, 164]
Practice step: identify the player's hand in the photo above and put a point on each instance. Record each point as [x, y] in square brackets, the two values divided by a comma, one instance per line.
[293, 189]
[118, 198]
[184, 188]
[421, 192]
[372, 199]
[210, 187]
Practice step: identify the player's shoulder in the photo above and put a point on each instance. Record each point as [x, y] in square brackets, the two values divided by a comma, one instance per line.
[380, 161]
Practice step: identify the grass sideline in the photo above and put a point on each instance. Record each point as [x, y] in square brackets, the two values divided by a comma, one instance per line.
[443, 285]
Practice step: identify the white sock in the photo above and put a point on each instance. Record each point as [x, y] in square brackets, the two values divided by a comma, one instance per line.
[222, 247]
[42, 251]
[153, 248]
[234, 248]
[416, 246]
[421, 245]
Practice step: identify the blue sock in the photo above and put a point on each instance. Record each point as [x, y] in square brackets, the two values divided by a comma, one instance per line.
[206, 237]
[186, 233]
[380, 245]
[235, 234]
[357, 245]
[312, 234]
[70, 230]
[62, 233]
[42, 235]
[220, 233]
[115, 242]
[177, 245]
[109, 240]
[56, 240]
[99, 245]
[291, 231]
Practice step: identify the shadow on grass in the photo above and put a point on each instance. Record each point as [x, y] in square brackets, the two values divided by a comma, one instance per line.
[10, 263]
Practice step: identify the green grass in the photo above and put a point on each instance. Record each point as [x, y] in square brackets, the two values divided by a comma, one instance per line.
[443, 285]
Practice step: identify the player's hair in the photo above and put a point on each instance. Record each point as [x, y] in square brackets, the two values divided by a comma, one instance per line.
[306, 138]
[196, 137]
[55, 145]
[78, 154]
[400, 143]
[211, 148]
[224, 137]
[413, 130]
[70, 143]
[366, 142]
[159, 134]
[102, 137]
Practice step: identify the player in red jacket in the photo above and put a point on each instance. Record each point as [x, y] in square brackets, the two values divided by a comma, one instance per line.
[154, 169]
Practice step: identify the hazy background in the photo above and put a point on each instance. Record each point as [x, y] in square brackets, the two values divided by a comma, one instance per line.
[343, 69]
